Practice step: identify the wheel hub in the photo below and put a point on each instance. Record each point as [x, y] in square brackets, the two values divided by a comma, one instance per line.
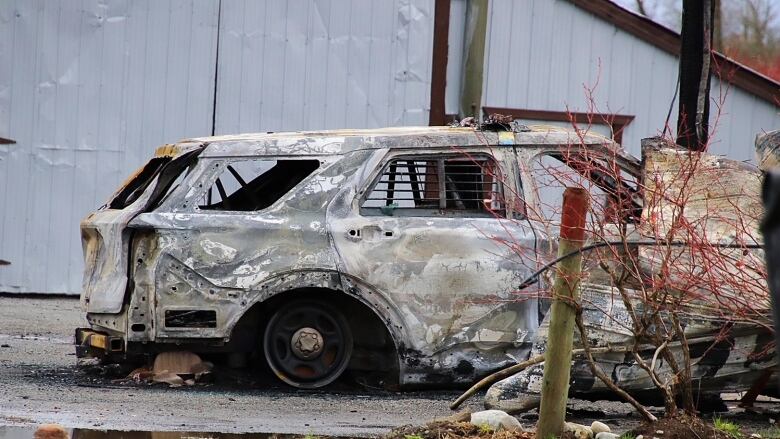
[306, 343]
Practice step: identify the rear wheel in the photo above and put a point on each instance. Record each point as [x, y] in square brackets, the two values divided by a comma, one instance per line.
[307, 344]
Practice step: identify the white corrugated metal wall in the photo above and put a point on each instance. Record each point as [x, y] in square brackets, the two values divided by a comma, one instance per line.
[88, 89]
[325, 64]
[540, 53]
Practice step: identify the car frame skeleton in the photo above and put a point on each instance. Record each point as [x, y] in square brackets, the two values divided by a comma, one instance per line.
[397, 249]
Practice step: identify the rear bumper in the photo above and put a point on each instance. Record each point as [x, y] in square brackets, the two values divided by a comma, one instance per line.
[91, 343]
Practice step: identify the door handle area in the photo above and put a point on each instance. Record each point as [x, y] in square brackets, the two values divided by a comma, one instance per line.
[370, 232]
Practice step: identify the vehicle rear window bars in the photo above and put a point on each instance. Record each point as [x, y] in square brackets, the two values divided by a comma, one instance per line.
[458, 185]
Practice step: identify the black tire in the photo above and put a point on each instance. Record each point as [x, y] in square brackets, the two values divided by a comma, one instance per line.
[307, 344]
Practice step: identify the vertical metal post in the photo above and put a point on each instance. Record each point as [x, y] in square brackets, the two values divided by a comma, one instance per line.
[442, 185]
[557, 360]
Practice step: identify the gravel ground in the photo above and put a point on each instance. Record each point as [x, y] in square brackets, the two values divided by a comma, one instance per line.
[40, 382]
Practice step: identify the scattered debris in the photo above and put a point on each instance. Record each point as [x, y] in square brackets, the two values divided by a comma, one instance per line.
[455, 430]
[180, 362]
[679, 427]
[496, 122]
[468, 122]
[50, 431]
[173, 368]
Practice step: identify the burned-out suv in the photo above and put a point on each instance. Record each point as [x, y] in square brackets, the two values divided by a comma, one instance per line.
[397, 249]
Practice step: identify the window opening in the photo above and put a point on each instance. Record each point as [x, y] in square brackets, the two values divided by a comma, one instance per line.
[251, 185]
[138, 184]
[170, 176]
[614, 192]
[437, 185]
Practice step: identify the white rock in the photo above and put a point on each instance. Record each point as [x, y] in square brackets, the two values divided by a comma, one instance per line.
[607, 435]
[598, 427]
[639, 437]
[659, 432]
[579, 431]
[496, 420]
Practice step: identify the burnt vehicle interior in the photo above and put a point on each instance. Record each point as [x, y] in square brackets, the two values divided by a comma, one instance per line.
[613, 186]
[169, 173]
[437, 185]
[267, 183]
[131, 191]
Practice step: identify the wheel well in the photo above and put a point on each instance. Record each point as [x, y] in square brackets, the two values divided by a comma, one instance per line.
[374, 347]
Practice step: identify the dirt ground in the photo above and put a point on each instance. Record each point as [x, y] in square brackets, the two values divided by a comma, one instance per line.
[40, 382]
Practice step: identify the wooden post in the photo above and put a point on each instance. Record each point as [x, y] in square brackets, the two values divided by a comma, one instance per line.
[474, 59]
[695, 53]
[557, 364]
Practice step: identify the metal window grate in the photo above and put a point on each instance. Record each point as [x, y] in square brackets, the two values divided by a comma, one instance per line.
[470, 184]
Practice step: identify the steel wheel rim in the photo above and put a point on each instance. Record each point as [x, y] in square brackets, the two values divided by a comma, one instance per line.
[291, 349]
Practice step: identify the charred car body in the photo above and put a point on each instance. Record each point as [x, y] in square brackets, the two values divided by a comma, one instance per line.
[397, 249]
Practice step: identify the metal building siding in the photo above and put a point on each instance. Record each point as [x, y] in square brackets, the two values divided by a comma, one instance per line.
[88, 90]
[456, 40]
[323, 64]
[92, 87]
[541, 54]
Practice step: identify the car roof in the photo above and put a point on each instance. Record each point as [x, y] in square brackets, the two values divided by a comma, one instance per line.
[333, 142]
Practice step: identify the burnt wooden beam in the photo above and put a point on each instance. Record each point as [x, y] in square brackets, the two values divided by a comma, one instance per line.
[695, 57]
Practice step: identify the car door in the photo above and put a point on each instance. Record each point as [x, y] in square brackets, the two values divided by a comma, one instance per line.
[611, 181]
[439, 234]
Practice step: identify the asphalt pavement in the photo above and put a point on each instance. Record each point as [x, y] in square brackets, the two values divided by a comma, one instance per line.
[41, 382]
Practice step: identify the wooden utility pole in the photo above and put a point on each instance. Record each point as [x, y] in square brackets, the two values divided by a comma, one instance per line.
[695, 57]
[557, 361]
[474, 59]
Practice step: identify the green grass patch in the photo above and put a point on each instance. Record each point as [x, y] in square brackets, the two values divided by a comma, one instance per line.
[728, 427]
[485, 428]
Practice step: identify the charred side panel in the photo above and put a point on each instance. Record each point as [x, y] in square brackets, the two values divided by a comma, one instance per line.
[450, 280]
[225, 261]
